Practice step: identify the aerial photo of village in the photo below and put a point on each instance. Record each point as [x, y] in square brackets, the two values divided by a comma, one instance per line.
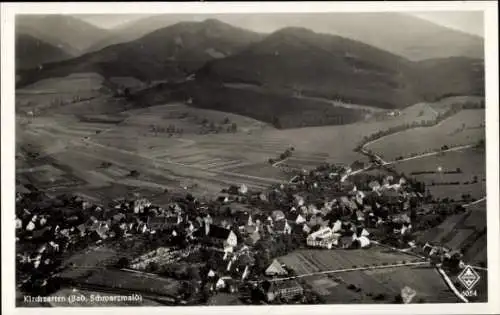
[249, 159]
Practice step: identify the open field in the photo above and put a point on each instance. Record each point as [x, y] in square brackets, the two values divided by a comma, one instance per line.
[134, 282]
[465, 127]
[83, 142]
[338, 142]
[310, 261]
[86, 261]
[58, 92]
[424, 280]
[471, 162]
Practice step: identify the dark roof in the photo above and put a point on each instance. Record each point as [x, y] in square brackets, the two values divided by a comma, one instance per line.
[242, 217]
[347, 240]
[280, 225]
[359, 230]
[215, 232]
[292, 215]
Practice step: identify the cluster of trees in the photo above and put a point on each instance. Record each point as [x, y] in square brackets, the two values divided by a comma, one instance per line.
[437, 216]
[427, 123]
[266, 249]
[474, 180]
[458, 170]
[105, 165]
[134, 173]
[170, 130]
[282, 156]
[123, 92]
[212, 127]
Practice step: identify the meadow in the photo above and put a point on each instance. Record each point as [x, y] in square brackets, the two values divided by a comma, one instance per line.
[311, 261]
[134, 282]
[471, 163]
[174, 146]
[426, 281]
[463, 128]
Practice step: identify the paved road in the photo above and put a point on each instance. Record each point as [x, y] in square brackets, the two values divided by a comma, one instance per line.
[458, 148]
[474, 202]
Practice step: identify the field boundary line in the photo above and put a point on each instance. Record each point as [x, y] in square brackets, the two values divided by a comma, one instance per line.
[457, 148]
[168, 161]
[479, 268]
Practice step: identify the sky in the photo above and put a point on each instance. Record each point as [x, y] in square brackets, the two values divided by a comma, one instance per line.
[466, 21]
[469, 22]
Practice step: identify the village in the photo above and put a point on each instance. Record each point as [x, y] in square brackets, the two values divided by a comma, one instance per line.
[231, 243]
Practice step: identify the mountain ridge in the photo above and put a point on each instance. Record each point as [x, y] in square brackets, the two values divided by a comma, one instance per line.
[387, 30]
[32, 52]
[73, 33]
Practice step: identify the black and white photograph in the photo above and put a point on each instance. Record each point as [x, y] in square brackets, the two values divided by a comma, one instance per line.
[251, 158]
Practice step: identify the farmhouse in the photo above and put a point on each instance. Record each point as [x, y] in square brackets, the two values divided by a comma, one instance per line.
[275, 269]
[323, 238]
[221, 238]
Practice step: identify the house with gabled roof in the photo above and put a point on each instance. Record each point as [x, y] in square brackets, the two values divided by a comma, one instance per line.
[282, 227]
[286, 290]
[296, 218]
[221, 238]
[275, 269]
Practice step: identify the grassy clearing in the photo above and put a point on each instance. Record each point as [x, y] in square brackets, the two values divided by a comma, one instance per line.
[466, 127]
[134, 282]
[58, 92]
[471, 163]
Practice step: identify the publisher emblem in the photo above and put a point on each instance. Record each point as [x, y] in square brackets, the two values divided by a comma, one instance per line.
[469, 277]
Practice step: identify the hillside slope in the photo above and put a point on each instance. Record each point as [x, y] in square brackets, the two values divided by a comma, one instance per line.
[301, 61]
[31, 52]
[385, 30]
[288, 78]
[64, 31]
[171, 53]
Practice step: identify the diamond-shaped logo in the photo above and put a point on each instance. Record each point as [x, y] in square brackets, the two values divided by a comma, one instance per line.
[469, 277]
